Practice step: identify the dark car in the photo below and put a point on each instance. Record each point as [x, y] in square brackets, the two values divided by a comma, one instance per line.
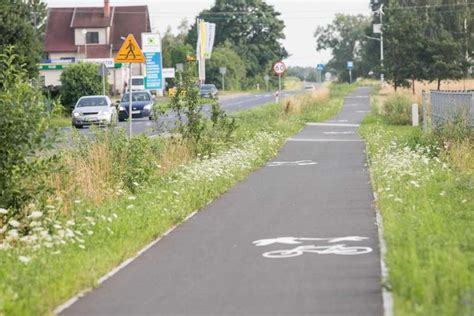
[208, 91]
[142, 104]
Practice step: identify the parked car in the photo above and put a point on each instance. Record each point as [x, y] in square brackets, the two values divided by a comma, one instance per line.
[208, 91]
[309, 87]
[95, 109]
[142, 104]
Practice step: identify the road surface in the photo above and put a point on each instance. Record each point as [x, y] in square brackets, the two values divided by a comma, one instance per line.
[228, 103]
[297, 237]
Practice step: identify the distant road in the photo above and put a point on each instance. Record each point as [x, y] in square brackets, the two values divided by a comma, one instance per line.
[228, 103]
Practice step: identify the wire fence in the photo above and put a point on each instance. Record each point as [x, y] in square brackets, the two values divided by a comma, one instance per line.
[447, 106]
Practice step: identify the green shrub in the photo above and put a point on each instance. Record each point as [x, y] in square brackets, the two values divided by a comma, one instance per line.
[397, 109]
[78, 80]
[458, 129]
[24, 135]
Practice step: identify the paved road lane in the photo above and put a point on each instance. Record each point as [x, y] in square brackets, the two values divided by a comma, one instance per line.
[297, 237]
[228, 103]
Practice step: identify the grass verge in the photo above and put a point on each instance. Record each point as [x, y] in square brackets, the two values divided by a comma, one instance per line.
[100, 222]
[427, 204]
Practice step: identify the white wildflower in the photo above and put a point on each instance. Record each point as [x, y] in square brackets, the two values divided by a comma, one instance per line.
[82, 246]
[132, 198]
[24, 259]
[35, 215]
[3, 211]
[77, 201]
[14, 223]
[130, 206]
[70, 223]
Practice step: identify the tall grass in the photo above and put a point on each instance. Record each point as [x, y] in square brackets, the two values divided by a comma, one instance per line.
[425, 195]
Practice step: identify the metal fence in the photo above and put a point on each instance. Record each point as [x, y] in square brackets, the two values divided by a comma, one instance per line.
[448, 106]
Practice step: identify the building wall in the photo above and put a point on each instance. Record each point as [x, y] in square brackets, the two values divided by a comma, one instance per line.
[80, 39]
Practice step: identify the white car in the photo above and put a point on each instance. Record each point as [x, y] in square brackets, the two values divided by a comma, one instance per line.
[95, 109]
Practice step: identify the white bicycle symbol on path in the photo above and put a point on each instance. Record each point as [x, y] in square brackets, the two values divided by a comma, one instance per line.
[335, 249]
[291, 163]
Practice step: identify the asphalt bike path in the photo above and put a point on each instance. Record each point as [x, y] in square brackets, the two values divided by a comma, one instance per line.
[297, 237]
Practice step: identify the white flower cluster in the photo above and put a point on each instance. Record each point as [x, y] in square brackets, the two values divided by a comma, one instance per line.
[228, 162]
[39, 230]
[396, 163]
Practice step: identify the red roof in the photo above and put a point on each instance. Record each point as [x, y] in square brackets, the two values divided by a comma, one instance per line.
[59, 34]
[123, 21]
[128, 20]
[90, 17]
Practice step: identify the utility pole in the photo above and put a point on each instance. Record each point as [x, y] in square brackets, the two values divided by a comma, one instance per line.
[381, 47]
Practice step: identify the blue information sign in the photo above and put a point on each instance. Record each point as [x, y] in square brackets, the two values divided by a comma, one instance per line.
[154, 76]
[350, 65]
[320, 67]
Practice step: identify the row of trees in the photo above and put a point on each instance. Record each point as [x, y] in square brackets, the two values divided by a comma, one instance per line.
[247, 43]
[424, 40]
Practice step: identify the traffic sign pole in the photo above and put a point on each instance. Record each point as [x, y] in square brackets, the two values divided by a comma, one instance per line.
[279, 69]
[130, 101]
[279, 88]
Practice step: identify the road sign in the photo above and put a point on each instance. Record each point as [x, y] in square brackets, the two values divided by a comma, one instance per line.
[103, 71]
[266, 77]
[151, 42]
[154, 75]
[222, 70]
[279, 68]
[350, 65]
[320, 67]
[180, 67]
[130, 52]
[168, 73]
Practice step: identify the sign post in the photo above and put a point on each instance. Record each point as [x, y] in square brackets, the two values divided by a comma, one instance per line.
[279, 69]
[223, 71]
[103, 72]
[266, 78]
[350, 65]
[154, 71]
[130, 53]
[320, 68]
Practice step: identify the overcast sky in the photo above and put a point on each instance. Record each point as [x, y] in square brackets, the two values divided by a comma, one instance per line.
[301, 19]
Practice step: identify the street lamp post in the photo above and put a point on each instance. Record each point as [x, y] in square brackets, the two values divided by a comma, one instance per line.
[380, 12]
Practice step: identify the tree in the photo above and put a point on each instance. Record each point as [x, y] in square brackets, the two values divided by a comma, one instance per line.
[78, 80]
[253, 27]
[22, 26]
[226, 56]
[344, 37]
[175, 48]
[24, 135]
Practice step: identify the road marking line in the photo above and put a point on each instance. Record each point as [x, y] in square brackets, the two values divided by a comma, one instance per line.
[357, 97]
[339, 133]
[74, 299]
[325, 140]
[363, 111]
[333, 124]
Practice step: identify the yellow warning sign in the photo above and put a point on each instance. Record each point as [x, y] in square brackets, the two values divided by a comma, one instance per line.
[130, 52]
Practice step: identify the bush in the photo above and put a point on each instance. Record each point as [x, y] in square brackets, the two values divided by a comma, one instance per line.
[78, 80]
[397, 109]
[24, 135]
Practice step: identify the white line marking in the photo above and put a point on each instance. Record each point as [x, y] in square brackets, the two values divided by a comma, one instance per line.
[339, 133]
[358, 97]
[74, 299]
[291, 163]
[332, 124]
[323, 140]
[363, 111]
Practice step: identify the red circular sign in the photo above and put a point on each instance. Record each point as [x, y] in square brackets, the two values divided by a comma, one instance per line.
[279, 68]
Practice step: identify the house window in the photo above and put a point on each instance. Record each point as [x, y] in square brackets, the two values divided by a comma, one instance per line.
[92, 38]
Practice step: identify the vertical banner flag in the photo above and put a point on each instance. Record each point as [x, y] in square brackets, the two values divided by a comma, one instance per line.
[151, 43]
[210, 35]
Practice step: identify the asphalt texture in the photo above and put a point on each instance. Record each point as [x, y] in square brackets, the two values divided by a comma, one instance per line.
[226, 259]
[228, 103]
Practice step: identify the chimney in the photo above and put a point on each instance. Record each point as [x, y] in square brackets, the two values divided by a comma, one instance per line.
[106, 8]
